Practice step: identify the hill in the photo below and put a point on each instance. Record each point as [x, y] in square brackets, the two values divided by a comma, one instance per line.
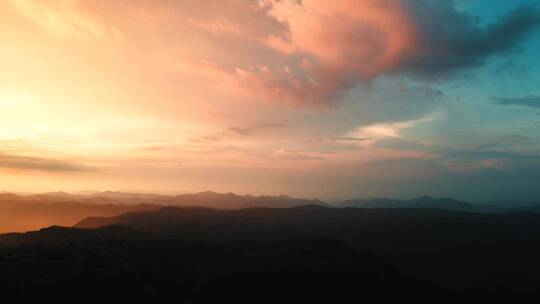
[452, 248]
[421, 202]
[120, 265]
[60, 208]
[24, 213]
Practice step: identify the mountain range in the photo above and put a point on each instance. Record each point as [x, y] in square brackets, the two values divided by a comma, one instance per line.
[421, 202]
[60, 208]
[88, 265]
[64, 209]
[455, 250]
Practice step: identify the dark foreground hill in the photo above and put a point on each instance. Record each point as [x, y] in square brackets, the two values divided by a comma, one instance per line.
[453, 251]
[120, 264]
[495, 252]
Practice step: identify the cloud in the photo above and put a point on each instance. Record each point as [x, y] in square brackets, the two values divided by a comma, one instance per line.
[295, 154]
[303, 52]
[475, 155]
[213, 137]
[386, 131]
[235, 131]
[338, 44]
[507, 141]
[8, 161]
[343, 139]
[528, 101]
[450, 40]
[64, 18]
[248, 130]
[217, 26]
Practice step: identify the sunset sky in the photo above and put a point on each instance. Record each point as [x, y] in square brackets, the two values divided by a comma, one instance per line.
[311, 98]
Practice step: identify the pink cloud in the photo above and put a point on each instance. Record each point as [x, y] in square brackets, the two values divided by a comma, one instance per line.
[367, 37]
[339, 43]
[301, 52]
[321, 48]
[217, 26]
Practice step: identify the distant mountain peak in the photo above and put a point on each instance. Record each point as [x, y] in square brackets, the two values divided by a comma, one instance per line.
[311, 207]
[426, 197]
[424, 201]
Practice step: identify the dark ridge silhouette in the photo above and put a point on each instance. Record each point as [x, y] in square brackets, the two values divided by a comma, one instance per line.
[60, 208]
[118, 264]
[421, 202]
[466, 254]
[57, 235]
[64, 209]
[232, 201]
[205, 199]
[451, 248]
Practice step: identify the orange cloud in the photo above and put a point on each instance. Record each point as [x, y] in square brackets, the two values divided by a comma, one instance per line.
[366, 37]
[63, 18]
[349, 41]
[217, 26]
[340, 43]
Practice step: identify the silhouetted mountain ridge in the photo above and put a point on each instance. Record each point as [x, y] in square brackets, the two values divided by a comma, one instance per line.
[420, 202]
[65, 209]
[453, 248]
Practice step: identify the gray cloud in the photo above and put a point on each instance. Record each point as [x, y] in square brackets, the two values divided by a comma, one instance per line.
[348, 50]
[505, 142]
[452, 40]
[9, 161]
[487, 154]
[528, 101]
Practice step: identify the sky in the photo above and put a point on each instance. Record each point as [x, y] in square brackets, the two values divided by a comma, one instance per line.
[311, 98]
